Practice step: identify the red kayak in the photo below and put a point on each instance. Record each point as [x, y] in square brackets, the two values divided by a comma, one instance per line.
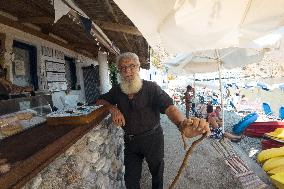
[266, 144]
[257, 129]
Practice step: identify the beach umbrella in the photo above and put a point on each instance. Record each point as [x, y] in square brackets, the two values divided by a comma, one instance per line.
[212, 61]
[281, 86]
[190, 25]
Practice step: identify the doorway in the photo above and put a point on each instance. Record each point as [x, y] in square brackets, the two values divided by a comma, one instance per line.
[70, 70]
[91, 83]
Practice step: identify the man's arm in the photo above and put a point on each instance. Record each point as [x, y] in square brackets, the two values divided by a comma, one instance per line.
[186, 97]
[174, 115]
[117, 116]
[6, 84]
[193, 92]
[102, 102]
[112, 108]
[188, 127]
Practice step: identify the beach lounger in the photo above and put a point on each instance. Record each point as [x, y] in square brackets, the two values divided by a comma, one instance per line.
[281, 112]
[266, 108]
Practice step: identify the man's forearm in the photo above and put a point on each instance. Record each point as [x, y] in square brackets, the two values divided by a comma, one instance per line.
[112, 108]
[174, 115]
[102, 102]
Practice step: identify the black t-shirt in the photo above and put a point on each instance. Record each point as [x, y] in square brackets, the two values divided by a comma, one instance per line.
[142, 113]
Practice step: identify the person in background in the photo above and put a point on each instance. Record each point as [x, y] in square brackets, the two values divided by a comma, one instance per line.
[6, 87]
[135, 105]
[235, 101]
[69, 100]
[217, 112]
[244, 99]
[215, 122]
[215, 98]
[188, 96]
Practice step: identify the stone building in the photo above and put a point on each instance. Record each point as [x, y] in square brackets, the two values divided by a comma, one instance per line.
[60, 48]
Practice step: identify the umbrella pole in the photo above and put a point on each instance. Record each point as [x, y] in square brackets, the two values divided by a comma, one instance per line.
[221, 89]
[194, 85]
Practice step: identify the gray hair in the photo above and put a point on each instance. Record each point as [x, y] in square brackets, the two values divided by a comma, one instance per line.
[127, 55]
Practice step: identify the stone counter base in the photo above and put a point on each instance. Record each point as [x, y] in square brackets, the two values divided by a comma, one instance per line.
[94, 161]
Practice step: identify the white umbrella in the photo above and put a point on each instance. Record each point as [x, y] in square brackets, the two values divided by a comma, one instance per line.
[190, 25]
[212, 61]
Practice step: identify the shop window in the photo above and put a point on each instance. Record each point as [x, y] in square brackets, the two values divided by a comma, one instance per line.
[70, 70]
[24, 65]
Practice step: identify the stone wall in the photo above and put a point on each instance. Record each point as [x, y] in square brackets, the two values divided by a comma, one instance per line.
[94, 161]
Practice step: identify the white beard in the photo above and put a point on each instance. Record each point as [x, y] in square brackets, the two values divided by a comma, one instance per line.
[131, 87]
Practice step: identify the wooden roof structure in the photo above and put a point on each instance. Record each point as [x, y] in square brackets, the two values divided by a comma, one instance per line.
[106, 14]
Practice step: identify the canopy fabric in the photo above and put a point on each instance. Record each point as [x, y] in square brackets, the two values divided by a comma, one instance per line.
[189, 25]
[208, 61]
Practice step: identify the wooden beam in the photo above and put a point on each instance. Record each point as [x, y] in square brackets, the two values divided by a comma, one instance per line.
[91, 48]
[46, 29]
[44, 7]
[44, 20]
[110, 10]
[37, 20]
[118, 27]
[19, 26]
[82, 46]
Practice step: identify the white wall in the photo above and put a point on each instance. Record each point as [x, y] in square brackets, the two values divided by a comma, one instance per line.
[104, 72]
[15, 34]
[155, 75]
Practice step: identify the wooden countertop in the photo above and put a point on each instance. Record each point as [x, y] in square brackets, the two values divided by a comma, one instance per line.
[32, 150]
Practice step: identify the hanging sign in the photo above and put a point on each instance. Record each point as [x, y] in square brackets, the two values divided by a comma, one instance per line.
[53, 76]
[20, 67]
[54, 66]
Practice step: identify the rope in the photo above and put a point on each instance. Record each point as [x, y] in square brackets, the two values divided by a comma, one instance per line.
[185, 159]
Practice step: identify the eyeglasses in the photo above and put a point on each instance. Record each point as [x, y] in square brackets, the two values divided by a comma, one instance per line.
[124, 68]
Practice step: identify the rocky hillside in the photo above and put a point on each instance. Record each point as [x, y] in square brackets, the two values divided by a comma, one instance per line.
[272, 65]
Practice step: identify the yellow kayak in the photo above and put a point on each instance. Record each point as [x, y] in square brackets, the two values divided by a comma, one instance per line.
[278, 180]
[278, 133]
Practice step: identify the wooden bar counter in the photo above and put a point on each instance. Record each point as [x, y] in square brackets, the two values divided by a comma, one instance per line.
[32, 150]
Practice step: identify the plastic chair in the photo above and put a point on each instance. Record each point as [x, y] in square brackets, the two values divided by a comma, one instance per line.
[266, 108]
[281, 112]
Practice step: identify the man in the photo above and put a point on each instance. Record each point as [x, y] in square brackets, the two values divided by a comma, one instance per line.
[6, 87]
[188, 96]
[136, 105]
[235, 101]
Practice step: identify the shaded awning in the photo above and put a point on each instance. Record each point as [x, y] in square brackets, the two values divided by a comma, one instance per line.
[189, 25]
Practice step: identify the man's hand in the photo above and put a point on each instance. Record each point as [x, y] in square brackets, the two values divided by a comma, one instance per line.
[7, 85]
[188, 127]
[28, 89]
[194, 127]
[117, 116]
